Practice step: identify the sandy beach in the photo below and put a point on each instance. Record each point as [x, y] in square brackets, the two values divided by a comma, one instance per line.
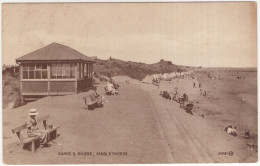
[139, 126]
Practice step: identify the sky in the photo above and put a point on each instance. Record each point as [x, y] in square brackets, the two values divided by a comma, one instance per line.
[222, 34]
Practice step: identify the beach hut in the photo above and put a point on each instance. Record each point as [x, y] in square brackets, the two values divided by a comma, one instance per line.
[173, 75]
[54, 70]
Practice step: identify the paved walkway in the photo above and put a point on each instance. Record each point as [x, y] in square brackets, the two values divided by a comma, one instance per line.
[126, 124]
[139, 123]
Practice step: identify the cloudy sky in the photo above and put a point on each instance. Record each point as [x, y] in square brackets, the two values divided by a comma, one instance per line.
[194, 34]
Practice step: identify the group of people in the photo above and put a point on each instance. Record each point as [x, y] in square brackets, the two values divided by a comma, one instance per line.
[231, 130]
[194, 85]
[112, 88]
[156, 81]
[98, 100]
[170, 95]
[183, 100]
[240, 77]
[203, 93]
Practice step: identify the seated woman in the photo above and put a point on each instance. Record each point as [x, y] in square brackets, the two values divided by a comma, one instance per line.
[95, 98]
[32, 127]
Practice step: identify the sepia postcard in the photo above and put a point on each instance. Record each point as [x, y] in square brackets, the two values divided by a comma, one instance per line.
[129, 83]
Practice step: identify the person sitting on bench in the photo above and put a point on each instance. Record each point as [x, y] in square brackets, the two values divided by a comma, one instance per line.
[94, 96]
[32, 127]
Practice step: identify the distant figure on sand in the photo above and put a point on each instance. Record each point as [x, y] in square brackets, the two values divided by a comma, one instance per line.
[166, 95]
[185, 97]
[194, 85]
[116, 86]
[32, 127]
[227, 128]
[176, 90]
[232, 131]
[188, 108]
[247, 134]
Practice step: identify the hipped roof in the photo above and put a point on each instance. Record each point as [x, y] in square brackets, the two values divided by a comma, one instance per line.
[54, 52]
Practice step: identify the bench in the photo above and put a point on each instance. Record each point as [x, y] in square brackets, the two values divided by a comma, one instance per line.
[32, 143]
[89, 102]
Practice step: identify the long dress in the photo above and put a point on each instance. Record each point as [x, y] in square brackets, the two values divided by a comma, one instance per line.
[94, 96]
[33, 130]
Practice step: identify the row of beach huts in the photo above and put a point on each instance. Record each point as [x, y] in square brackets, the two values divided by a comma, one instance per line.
[155, 78]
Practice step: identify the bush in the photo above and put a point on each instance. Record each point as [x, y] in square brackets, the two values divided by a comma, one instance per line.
[11, 90]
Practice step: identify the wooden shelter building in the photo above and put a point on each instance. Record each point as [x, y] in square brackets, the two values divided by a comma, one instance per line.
[54, 70]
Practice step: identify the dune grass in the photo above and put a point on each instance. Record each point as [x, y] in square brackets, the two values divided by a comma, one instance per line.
[11, 90]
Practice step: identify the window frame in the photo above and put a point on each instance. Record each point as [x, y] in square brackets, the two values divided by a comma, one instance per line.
[63, 71]
[31, 68]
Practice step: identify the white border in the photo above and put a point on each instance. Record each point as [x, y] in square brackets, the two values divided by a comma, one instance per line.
[100, 1]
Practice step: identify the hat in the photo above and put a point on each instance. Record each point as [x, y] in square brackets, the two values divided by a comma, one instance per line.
[33, 111]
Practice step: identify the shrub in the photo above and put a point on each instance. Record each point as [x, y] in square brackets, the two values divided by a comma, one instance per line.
[11, 90]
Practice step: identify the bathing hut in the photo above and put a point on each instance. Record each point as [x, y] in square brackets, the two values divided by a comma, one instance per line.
[54, 70]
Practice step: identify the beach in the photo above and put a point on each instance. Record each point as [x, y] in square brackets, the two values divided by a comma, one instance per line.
[140, 126]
